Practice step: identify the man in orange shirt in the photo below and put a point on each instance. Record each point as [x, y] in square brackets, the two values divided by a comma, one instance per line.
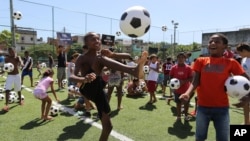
[210, 74]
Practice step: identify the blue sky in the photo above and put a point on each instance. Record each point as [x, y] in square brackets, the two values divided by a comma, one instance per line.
[194, 17]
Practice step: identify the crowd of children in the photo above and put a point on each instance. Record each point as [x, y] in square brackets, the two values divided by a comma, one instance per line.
[194, 76]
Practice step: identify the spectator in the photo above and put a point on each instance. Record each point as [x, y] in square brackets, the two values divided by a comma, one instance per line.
[51, 61]
[27, 68]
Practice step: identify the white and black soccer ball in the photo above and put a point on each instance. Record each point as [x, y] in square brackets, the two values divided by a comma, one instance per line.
[142, 84]
[174, 83]
[64, 82]
[17, 15]
[146, 69]
[43, 65]
[135, 21]
[139, 89]
[164, 28]
[12, 99]
[76, 89]
[54, 110]
[2, 97]
[237, 86]
[13, 93]
[8, 67]
[2, 90]
[71, 88]
[36, 83]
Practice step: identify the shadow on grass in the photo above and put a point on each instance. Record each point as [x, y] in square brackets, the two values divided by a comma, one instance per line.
[2, 112]
[66, 101]
[114, 113]
[136, 96]
[76, 131]
[149, 107]
[34, 123]
[174, 110]
[181, 130]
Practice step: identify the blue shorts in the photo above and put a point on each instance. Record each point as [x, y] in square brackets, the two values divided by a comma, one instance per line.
[27, 72]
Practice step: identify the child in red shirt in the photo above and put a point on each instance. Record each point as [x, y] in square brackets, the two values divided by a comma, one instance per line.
[183, 73]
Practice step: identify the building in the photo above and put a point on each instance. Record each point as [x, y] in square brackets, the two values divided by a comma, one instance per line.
[27, 38]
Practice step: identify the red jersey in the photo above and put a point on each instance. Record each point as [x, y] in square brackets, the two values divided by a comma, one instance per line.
[181, 73]
[167, 67]
[213, 74]
[228, 54]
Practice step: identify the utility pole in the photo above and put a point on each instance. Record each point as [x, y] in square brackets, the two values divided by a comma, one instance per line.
[175, 26]
[13, 43]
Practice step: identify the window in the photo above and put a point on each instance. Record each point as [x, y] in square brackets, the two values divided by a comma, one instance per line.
[22, 48]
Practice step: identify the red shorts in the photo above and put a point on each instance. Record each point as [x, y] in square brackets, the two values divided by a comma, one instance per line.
[151, 86]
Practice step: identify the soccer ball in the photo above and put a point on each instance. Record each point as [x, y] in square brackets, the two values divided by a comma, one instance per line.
[142, 84]
[13, 93]
[36, 83]
[71, 89]
[146, 69]
[164, 28]
[2, 90]
[8, 67]
[43, 65]
[17, 15]
[64, 82]
[2, 97]
[174, 83]
[237, 86]
[76, 89]
[54, 110]
[139, 89]
[135, 21]
[12, 98]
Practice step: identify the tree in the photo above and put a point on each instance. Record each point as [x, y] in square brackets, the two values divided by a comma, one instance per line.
[6, 38]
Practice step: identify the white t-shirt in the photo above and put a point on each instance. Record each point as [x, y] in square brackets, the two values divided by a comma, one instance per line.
[71, 65]
[245, 63]
[153, 75]
[131, 63]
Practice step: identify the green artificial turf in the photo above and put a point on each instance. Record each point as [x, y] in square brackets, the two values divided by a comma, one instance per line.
[137, 121]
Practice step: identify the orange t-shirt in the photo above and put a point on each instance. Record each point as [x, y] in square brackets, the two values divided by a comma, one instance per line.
[213, 74]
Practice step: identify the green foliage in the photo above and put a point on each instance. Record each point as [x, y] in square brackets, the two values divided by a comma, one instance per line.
[6, 37]
[40, 51]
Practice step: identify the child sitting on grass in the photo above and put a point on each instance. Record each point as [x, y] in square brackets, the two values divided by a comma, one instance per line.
[40, 92]
[136, 87]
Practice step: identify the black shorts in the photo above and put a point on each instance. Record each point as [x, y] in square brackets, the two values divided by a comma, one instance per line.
[94, 92]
